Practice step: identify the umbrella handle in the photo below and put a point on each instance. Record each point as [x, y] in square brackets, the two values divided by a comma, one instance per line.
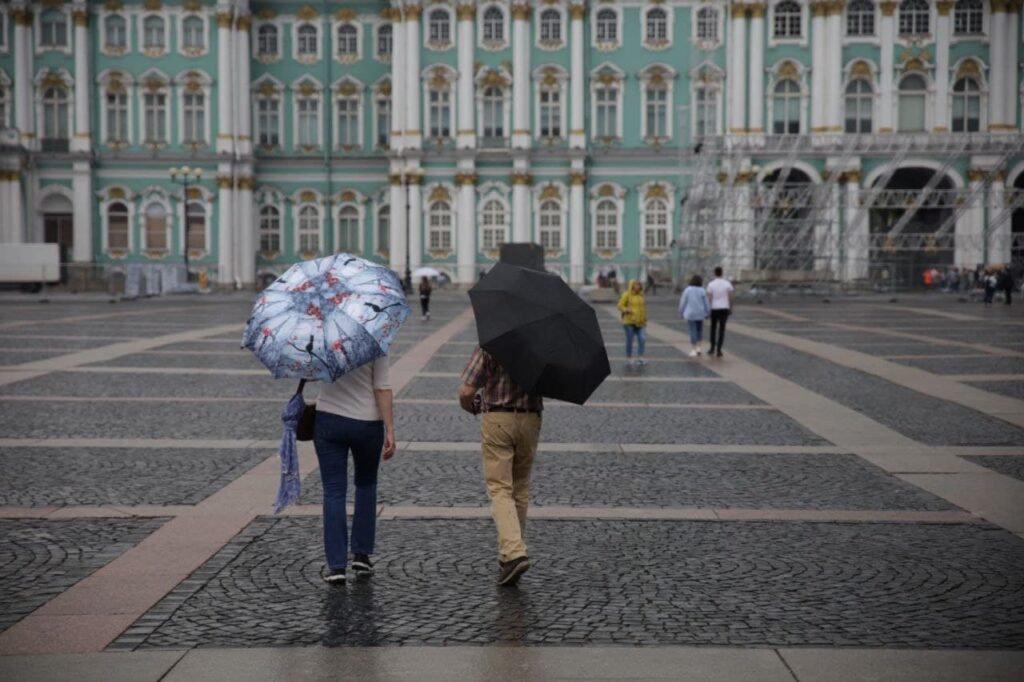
[302, 385]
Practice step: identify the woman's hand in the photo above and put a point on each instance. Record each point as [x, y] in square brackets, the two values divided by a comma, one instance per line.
[389, 445]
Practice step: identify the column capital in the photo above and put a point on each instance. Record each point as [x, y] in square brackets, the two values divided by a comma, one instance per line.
[888, 7]
[820, 8]
[413, 12]
[9, 175]
[80, 16]
[521, 178]
[462, 179]
[247, 182]
[22, 16]
[224, 20]
[577, 178]
[521, 11]
[414, 177]
[465, 11]
[977, 175]
[395, 179]
[757, 9]
[578, 10]
[944, 7]
[739, 11]
[243, 22]
[850, 177]
[225, 182]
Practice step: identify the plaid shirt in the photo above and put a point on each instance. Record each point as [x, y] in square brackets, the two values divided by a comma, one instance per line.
[496, 386]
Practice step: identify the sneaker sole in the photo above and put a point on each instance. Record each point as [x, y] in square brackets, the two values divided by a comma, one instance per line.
[335, 580]
[517, 572]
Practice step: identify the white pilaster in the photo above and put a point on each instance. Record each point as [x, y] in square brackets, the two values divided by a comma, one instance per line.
[242, 104]
[82, 202]
[819, 66]
[743, 246]
[12, 221]
[225, 225]
[577, 135]
[466, 131]
[834, 76]
[520, 76]
[521, 219]
[970, 229]
[757, 69]
[398, 88]
[999, 236]
[856, 232]
[737, 67]
[82, 137]
[225, 77]
[941, 101]
[397, 196]
[887, 34]
[246, 232]
[24, 114]
[413, 125]
[1012, 80]
[415, 220]
[577, 208]
[466, 235]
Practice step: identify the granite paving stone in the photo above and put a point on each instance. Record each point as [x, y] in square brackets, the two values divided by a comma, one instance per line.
[16, 357]
[44, 342]
[1012, 389]
[92, 384]
[993, 365]
[1011, 465]
[242, 359]
[681, 368]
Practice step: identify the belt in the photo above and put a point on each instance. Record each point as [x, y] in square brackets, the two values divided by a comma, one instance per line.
[506, 408]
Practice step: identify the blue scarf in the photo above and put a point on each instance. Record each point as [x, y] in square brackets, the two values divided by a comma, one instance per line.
[291, 485]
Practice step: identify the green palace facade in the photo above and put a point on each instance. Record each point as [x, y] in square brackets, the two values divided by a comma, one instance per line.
[431, 132]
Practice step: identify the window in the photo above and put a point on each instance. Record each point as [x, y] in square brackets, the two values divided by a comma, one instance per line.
[914, 17]
[53, 29]
[550, 27]
[440, 103]
[656, 225]
[348, 121]
[153, 34]
[657, 26]
[606, 221]
[550, 113]
[439, 220]
[657, 112]
[154, 107]
[494, 113]
[859, 105]
[860, 18]
[966, 106]
[607, 112]
[348, 230]
[968, 18]
[267, 41]
[494, 227]
[494, 26]
[156, 227]
[117, 117]
[707, 23]
[607, 26]
[707, 112]
[309, 229]
[385, 41]
[309, 122]
[194, 128]
[384, 229]
[786, 108]
[117, 226]
[440, 28]
[788, 20]
[268, 120]
[270, 230]
[913, 95]
[192, 33]
[348, 41]
[383, 120]
[306, 41]
[55, 114]
[5, 105]
[195, 226]
[115, 33]
[551, 225]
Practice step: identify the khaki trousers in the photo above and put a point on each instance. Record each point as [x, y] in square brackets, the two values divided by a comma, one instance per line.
[509, 443]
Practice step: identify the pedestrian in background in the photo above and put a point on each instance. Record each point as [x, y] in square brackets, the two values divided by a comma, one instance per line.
[425, 290]
[720, 294]
[1005, 282]
[989, 283]
[634, 320]
[694, 308]
[651, 285]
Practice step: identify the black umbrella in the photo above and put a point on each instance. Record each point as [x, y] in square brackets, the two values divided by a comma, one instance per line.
[543, 334]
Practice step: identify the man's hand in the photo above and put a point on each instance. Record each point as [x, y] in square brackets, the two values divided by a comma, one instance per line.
[388, 450]
[466, 394]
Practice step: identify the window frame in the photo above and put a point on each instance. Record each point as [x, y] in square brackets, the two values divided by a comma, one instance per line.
[64, 11]
[378, 30]
[657, 43]
[716, 90]
[788, 39]
[68, 104]
[787, 97]
[915, 12]
[105, 47]
[605, 207]
[485, 213]
[144, 34]
[192, 51]
[257, 53]
[107, 205]
[699, 21]
[439, 44]
[380, 96]
[982, 9]
[861, 15]
[299, 37]
[954, 95]
[599, 23]
[443, 210]
[353, 38]
[355, 99]
[379, 246]
[924, 93]
[870, 96]
[492, 44]
[353, 212]
[302, 228]
[315, 99]
[541, 26]
[263, 231]
[156, 200]
[274, 94]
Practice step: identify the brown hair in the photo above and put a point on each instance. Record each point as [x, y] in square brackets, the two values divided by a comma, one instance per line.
[696, 281]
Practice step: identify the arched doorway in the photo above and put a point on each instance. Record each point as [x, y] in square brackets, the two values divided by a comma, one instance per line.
[1017, 226]
[58, 227]
[784, 223]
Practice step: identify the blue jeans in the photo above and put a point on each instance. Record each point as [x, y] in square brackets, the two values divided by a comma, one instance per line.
[641, 337]
[333, 437]
[696, 327]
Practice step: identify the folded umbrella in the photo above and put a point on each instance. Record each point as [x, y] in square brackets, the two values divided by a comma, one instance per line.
[545, 336]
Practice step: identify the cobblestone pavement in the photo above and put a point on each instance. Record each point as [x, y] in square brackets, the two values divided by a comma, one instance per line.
[40, 559]
[608, 582]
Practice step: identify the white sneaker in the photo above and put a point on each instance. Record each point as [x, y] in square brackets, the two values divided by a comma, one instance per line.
[630, 362]
[641, 361]
[693, 353]
[700, 352]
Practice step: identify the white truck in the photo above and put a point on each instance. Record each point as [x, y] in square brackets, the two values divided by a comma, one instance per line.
[29, 265]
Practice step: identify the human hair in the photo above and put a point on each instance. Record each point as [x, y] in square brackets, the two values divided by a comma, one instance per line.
[696, 281]
[718, 271]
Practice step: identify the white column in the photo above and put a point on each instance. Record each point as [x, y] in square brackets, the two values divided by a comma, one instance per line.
[397, 241]
[11, 218]
[225, 77]
[941, 102]
[856, 232]
[413, 126]
[415, 220]
[225, 225]
[1012, 82]
[81, 190]
[819, 67]
[738, 71]
[245, 235]
[757, 68]
[834, 77]
[521, 222]
[999, 236]
[80, 141]
[521, 75]
[577, 135]
[998, 53]
[398, 115]
[466, 131]
[969, 249]
[887, 34]
[577, 208]
[466, 236]
[242, 104]
[743, 258]
[24, 116]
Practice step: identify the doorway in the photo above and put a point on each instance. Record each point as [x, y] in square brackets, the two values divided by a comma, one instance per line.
[58, 228]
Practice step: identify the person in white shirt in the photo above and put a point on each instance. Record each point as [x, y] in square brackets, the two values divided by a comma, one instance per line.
[720, 294]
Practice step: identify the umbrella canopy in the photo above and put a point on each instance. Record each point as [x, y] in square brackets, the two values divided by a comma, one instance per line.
[323, 318]
[544, 335]
[426, 272]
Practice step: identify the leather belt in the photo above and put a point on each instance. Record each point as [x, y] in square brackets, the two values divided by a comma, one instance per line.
[506, 408]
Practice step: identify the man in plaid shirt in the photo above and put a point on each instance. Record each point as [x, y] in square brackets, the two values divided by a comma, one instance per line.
[509, 429]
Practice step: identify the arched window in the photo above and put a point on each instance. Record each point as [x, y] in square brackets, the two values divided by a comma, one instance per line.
[707, 111]
[384, 229]
[493, 113]
[607, 26]
[786, 108]
[707, 23]
[440, 112]
[440, 226]
[153, 33]
[494, 25]
[968, 18]
[606, 225]
[495, 229]
[117, 226]
[551, 225]
[55, 114]
[913, 97]
[270, 230]
[192, 29]
[550, 27]
[385, 40]
[914, 17]
[349, 132]
[657, 26]
[194, 110]
[788, 20]
[656, 225]
[309, 229]
[440, 28]
[348, 41]
[267, 41]
[656, 113]
[607, 107]
[53, 25]
[307, 109]
[195, 226]
[116, 103]
[348, 230]
[154, 110]
[550, 112]
[859, 105]
[307, 41]
[115, 32]
[860, 18]
[966, 106]
[156, 227]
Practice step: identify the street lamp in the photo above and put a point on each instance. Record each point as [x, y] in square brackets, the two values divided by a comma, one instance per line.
[410, 178]
[184, 176]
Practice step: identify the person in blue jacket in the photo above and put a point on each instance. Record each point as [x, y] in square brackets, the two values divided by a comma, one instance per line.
[695, 308]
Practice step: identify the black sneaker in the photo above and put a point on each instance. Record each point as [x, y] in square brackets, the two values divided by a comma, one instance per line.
[512, 570]
[719, 353]
[361, 565]
[334, 576]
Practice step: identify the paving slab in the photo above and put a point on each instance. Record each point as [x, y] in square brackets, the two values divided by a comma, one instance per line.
[175, 385]
[847, 665]
[150, 666]
[1010, 465]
